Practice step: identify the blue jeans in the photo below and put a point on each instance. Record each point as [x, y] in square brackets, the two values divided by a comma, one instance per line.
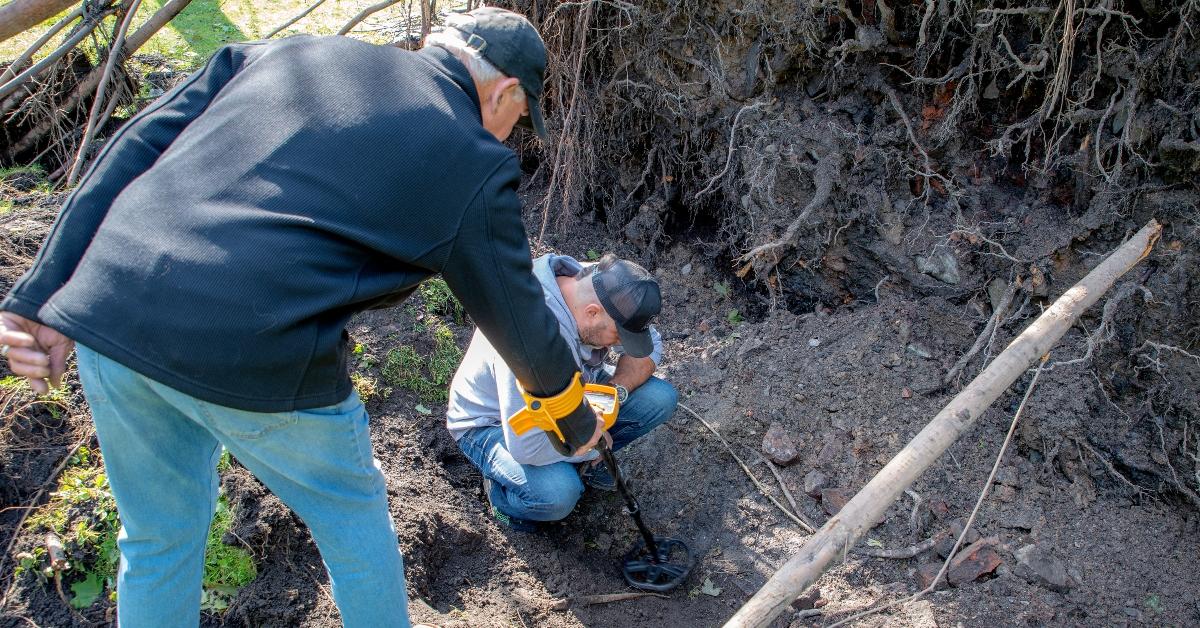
[160, 450]
[549, 492]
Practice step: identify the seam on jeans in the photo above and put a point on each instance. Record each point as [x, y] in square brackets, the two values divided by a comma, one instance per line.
[202, 407]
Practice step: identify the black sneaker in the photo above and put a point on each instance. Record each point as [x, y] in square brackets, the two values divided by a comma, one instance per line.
[508, 521]
[598, 477]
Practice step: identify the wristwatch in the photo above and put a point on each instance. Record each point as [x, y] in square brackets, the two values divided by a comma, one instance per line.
[622, 393]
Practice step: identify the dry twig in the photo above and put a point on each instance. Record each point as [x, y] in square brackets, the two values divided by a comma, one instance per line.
[987, 485]
[746, 468]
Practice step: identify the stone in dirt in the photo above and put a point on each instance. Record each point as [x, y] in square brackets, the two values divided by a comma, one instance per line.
[807, 600]
[814, 481]
[779, 446]
[926, 573]
[947, 543]
[978, 559]
[1037, 566]
[834, 499]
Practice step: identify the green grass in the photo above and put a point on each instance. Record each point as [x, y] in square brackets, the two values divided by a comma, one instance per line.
[83, 513]
[206, 25]
[439, 301]
[428, 377]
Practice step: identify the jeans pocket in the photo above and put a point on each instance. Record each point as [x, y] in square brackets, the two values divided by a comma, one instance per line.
[88, 363]
[243, 424]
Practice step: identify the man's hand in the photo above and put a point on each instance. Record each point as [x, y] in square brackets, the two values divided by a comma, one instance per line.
[600, 433]
[35, 351]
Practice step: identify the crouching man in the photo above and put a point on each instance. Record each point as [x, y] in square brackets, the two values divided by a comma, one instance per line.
[600, 308]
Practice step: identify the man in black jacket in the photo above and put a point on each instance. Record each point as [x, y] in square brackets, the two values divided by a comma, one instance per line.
[206, 266]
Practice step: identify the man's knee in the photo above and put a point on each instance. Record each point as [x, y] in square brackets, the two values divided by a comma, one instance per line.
[661, 396]
[551, 501]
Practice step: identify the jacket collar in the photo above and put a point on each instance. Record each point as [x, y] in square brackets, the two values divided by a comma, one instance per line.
[453, 68]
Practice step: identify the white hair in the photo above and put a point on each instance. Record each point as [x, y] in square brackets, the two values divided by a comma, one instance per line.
[453, 41]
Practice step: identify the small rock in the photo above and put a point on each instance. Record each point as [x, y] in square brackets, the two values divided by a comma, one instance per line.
[834, 499]
[814, 342]
[941, 265]
[1007, 475]
[926, 573]
[920, 351]
[1037, 566]
[814, 482]
[1005, 494]
[1017, 519]
[829, 452]
[906, 393]
[956, 527]
[703, 327]
[978, 559]
[686, 270]
[807, 600]
[996, 290]
[779, 446]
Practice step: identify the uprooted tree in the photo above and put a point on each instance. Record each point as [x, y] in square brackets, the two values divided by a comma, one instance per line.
[832, 152]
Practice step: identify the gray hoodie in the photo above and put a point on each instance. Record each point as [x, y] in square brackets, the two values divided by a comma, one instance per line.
[484, 390]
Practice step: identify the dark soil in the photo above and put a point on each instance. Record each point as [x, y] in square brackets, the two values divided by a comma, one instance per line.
[840, 334]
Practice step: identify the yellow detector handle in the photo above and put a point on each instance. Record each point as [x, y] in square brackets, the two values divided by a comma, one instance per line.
[604, 399]
[544, 412]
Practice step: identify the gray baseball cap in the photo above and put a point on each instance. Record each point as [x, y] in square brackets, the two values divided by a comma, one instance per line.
[630, 295]
[509, 42]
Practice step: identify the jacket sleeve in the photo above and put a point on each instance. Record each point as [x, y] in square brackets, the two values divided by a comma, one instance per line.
[129, 153]
[490, 270]
[528, 448]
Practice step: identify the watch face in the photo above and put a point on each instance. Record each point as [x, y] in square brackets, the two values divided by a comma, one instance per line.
[622, 394]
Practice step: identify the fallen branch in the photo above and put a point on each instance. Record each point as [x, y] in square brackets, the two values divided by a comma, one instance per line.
[19, 16]
[98, 102]
[135, 41]
[986, 334]
[904, 552]
[294, 19]
[987, 485]
[867, 507]
[808, 528]
[607, 598]
[36, 69]
[20, 61]
[365, 13]
[786, 492]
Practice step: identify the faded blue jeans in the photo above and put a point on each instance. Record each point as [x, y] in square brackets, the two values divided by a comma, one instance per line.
[549, 492]
[160, 450]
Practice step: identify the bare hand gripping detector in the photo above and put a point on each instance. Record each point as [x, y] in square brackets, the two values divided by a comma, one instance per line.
[655, 563]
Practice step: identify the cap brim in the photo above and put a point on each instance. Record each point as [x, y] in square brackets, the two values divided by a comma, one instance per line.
[636, 343]
[534, 121]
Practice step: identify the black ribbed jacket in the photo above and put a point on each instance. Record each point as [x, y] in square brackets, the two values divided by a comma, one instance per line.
[227, 233]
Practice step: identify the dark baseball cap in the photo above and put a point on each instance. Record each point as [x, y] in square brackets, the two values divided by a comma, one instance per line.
[631, 297]
[509, 42]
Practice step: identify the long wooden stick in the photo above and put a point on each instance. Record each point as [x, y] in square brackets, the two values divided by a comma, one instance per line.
[138, 39]
[294, 19]
[20, 61]
[85, 29]
[365, 13]
[867, 508]
[114, 53]
[21, 15]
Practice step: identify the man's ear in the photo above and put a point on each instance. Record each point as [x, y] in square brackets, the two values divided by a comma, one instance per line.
[593, 310]
[499, 88]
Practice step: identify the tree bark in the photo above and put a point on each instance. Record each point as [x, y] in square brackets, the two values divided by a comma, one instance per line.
[19, 16]
[867, 508]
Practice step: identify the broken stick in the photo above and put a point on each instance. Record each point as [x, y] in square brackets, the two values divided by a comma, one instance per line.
[843, 530]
